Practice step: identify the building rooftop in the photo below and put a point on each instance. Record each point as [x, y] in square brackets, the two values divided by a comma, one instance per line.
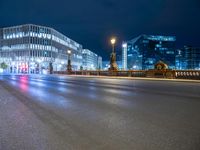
[153, 38]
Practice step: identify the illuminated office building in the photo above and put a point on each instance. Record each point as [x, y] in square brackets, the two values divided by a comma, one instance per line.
[99, 63]
[188, 58]
[32, 48]
[90, 60]
[144, 51]
[181, 63]
[192, 57]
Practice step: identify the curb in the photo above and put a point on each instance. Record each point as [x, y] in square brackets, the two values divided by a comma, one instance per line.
[133, 78]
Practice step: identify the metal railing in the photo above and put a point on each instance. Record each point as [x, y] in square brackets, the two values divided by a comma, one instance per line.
[132, 73]
[170, 74]
[187, 74]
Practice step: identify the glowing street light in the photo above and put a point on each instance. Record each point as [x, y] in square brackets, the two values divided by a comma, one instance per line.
[113, 64]
[69, 52]
[113, 41]
[69, 66]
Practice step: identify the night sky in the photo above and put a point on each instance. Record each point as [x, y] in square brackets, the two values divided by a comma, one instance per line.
[92, 22]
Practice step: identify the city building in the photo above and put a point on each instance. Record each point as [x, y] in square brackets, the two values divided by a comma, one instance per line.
[188, 58]
[105, 65]
[181, 63]
[119, 65]
[124, 56]
[142, 52]
[119, 61]
[99, 63]
[32, 49]
[91, 61]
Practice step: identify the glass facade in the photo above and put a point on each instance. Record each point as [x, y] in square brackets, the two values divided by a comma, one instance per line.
[31, 48]
[90, 60]
[105, 65]
[192, 56]
[124, 56]
[188, 58]
[181, 59]
[99, 63]
[144, 51]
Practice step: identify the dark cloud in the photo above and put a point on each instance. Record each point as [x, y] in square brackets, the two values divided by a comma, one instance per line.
[93, 22]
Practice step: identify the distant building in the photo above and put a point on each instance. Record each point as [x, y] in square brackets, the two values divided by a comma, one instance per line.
[32, 48]
[192, 56]
[90, 60]
[105, 65]
[181, 63]
[119, 65]
[99, 63]
[144, 51]
[188, 58]
[124, 56]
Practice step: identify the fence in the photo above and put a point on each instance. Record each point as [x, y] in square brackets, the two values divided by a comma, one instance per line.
[131, 73]
[170, 74]
[187, 74]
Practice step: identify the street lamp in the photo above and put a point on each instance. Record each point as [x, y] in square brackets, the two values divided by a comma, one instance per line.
[69, 66]
[113, 41]
[69, 52]
[113, 64]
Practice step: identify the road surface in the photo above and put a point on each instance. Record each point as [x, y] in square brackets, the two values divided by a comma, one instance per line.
[76, 113]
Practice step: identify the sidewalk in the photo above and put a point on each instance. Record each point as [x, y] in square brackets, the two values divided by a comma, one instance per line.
[132, 78]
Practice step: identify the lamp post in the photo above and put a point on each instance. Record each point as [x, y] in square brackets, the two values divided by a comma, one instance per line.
[69, 66]
[113, 41]
[51, 67]
[113, 64]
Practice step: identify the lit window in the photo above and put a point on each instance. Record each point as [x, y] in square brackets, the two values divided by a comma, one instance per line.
[39, 35]
[44, 35]
[20, 34]
[49, 36]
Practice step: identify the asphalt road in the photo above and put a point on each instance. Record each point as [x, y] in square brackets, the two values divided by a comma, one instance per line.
[74, 113]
